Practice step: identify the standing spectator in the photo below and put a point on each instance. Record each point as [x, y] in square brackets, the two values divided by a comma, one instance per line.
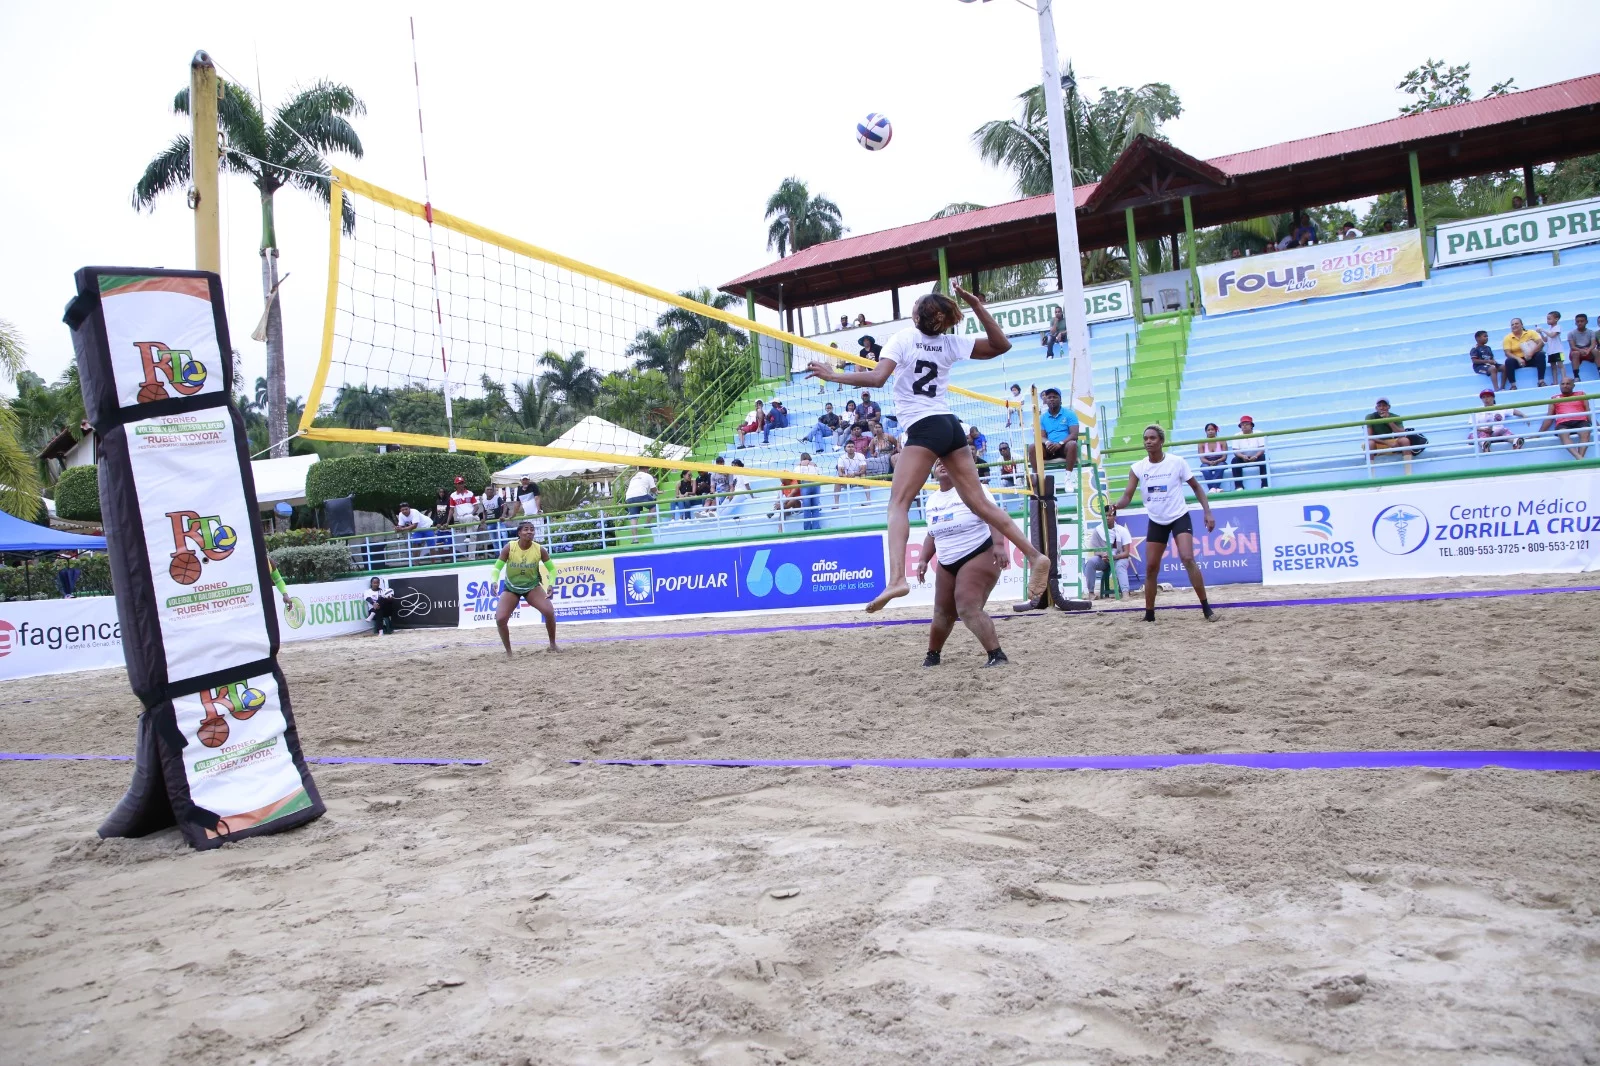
[1304, 233]
[463, 514]
[442, 512]
[1118, 555]
[1060, 427]
[823, 431]
[810, 492]
[1213, 459]
[527, 498]
[1569, 417]
[1008, 466]
[67, 574]
[492, 506]
[740, 491]
[870, 348]
[1555, 345]
[1054, 335]
[683, 502]
[1014, 406]
[1482, 357]
[851, 464]
[1489, 426]
[1249, 453]
[640, 495]
[721, 486]
[380, 606]
[1581, 345]
[1518, 203]
[753, 424]
[1523, 348]
[1386, 432]
[867, 411]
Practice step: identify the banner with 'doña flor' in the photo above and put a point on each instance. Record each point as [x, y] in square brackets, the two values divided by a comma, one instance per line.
[218, 753]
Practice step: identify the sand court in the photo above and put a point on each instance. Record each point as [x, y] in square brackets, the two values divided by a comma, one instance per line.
[533, 910]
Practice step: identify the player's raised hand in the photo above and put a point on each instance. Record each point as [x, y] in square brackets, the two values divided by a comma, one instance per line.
[818, 370]
[965, 295]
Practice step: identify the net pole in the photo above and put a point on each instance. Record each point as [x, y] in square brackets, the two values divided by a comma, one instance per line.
[433, 255]
[203, 163]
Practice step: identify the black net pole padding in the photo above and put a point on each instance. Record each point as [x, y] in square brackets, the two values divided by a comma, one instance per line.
[218, 753]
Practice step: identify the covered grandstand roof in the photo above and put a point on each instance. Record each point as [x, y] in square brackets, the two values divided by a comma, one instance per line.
[1504, 133]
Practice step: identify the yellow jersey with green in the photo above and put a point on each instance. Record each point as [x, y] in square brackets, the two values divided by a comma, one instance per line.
[523, 571]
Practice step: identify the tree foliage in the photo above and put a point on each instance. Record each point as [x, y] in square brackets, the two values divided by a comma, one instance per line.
[383, 482]
[78, 494]
[797, 220]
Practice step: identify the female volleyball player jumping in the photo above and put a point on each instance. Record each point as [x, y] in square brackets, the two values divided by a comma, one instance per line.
[1163, 477]
[970, 562]
[529, 576]
[925, 353]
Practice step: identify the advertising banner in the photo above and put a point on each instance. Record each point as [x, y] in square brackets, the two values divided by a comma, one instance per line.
[1537, 229]
[845, 571]
[1230, 555]
[59, 636]
[1101, 303]
[427, 601]
[1506, 525]
[585, 588]
[323, 609]
[1336, 268]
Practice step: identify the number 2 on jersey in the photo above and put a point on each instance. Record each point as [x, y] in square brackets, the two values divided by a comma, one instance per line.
[923, 384]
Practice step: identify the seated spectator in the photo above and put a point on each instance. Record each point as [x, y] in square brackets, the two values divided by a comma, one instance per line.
[870, 348]
[861, 320]
[1518, 203]
[822, 432]
[1249, 452]
[753, 424]
[1302, 234]
[867, 411]
[380, 606]
[1482, 357]
[1523, 348]
[1060, 428]
[777, 418]
[683, 502]
[980, 449]
[721, 485]
[1014, 406]
[883, 451]
[846, 420]
[1555, 345]
[1008, 466]
[1213, 459]
[702, 485]
[1386, 432]
[1569, 417]
[851, 464]
[1348, 231]
[788, 497]
[1097, 567]
[1054, 335]
[1489, 426]
[844, 321]
[1581, 345]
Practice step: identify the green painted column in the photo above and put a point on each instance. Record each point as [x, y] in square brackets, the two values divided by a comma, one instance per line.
[1188, 250]
[1133, 267]
[1416, 207]
[944, 274]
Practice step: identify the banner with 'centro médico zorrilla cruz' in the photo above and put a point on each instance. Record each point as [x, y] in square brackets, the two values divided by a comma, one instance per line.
[218, 753]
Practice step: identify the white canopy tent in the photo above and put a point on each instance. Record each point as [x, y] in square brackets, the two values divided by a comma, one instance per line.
[592, 434]
[281, 480]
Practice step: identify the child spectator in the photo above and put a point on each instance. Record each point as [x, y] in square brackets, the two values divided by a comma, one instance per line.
[1489, 426]
[1482, 357]
[1555, 345]
[1581, 345]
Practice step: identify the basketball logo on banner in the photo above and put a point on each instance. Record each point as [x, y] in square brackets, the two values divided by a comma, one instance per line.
[217, 752]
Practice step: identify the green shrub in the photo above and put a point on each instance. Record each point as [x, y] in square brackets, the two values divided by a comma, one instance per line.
[78, 494]
[94, 577]
[295, 538]
[313, 562]
[383, 482]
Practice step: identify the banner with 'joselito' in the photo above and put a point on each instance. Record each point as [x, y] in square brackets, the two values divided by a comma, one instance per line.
[1334, 268]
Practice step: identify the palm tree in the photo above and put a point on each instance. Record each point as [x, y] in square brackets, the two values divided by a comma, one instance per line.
[19, 474]
[799, 220]
[361, 407]
[683, 329]
[286, 149]
[538, 411]
[578, 384]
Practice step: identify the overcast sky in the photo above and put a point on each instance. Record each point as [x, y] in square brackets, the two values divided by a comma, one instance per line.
[645, 135]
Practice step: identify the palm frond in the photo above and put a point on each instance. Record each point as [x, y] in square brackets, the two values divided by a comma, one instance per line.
[168, 170]
[13, 356]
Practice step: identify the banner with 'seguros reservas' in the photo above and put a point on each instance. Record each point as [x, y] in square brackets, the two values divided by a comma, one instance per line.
[1334, 268]
[1535, 229]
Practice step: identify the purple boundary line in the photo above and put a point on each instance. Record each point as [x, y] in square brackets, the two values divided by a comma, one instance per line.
[323, 760]
[1403, 597]
[1287, 760]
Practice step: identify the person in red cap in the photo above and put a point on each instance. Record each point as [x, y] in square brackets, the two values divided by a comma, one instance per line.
[1249, 453]
[463, 507]
[1489, 425]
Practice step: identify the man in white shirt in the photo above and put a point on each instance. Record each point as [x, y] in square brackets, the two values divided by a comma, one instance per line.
[463, 511]
[851, 464]
[641, 493]
[415, 523]
[1249, 453]
[1120, 554]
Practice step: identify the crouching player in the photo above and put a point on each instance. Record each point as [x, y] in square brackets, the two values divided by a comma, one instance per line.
[529, 577]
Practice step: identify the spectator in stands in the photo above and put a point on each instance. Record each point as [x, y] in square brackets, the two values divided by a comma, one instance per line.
[823, 431]
[846, 420]
[788, 497]
[1555, 346]
[527, 499]
[1482, 357]
[868, 411]
[1581, 345]
[810, 492]
[980, 450]
[1523, 348]
[380, 606]
[861, 320]
[870, 348]
[1249, 452]
[1386, 432]
[777, 418]
[1569, 417]
[702, 489]
[1060, 428]
[415, 524]
[1098, 566]
[851, 464]
[1518, 203]
[721, 485]
[1304, 233]
[1014, 410]
[1213, 459]
[640, 496]
[492, 507]
[1489, 426]
[1348, 231]
[1008, 466]
[739, 488]
[683, 502]
[752, 424]
[441, 519]
[844, 321]
[1056, 334]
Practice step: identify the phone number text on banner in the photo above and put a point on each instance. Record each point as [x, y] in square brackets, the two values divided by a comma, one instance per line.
[1365, 264]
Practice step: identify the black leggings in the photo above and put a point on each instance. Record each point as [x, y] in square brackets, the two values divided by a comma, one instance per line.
[954, 568]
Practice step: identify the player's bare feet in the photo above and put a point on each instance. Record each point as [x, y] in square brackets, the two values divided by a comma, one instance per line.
[893, 592]
[554, 648]
[1038, 579]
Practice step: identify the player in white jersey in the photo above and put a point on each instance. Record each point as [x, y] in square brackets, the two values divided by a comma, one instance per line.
[924, 355]
[1163, 477]
[970, 562]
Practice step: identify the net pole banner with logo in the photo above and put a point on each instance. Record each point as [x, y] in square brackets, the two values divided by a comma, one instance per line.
[1335, 268]
[1536, 229]
[1489, 526]
[59, 636]
[193, 591]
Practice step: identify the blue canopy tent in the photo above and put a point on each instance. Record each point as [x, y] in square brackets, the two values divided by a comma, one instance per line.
[19, 536]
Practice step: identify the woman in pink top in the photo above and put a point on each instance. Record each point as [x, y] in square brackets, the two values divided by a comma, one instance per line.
[1213, 457]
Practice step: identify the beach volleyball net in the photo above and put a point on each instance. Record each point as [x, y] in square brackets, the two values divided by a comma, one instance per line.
[458, 337]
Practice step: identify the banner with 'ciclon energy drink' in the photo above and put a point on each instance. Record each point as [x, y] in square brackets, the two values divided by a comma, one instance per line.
[218, 753]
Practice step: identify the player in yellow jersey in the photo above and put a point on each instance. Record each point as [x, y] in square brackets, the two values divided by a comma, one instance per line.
[529, 576]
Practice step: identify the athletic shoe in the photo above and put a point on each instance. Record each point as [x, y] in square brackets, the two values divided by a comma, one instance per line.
[996, 658]
[931, 659]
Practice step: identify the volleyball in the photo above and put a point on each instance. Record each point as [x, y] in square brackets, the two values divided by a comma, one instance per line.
[193, 373]
[253, 699]
[874, 132]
